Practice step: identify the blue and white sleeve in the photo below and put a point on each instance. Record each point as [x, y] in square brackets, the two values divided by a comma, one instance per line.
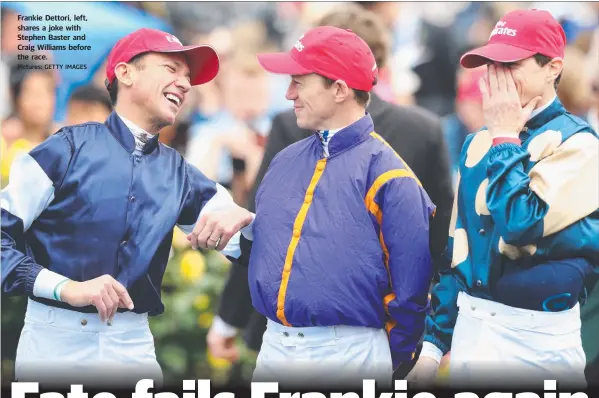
[33, 179]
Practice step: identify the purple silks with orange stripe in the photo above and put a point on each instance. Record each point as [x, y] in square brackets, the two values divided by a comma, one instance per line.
[343, 239]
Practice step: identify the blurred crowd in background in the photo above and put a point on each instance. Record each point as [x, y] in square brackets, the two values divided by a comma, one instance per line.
[225, 124]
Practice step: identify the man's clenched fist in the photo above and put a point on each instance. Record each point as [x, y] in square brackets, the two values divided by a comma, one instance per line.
[103, 292]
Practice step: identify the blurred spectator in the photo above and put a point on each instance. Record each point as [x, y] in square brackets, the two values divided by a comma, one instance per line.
[8, 52]
[397, 80]
[387, 12]
[176, 136]
[574, 89]
[98, 79]
[593, 52]
[33, 93]
[468, 117]
[240, 127]
[575, 17]
[88, 104]
[470, 14]
[376, 34]
[194, 21]
[10, 32]
[477, 33]
[427, 48]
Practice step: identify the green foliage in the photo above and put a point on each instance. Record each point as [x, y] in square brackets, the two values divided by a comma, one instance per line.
[191, 289]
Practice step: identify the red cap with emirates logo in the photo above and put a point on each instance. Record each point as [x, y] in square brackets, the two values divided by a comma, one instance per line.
[202, 59]
[518, 35]
[338, 54]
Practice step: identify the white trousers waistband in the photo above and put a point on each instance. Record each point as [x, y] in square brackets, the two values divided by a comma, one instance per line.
[62, 347]
[73, 320]
[315, 335]
[495, 345]
[333, 356]
[554, 323]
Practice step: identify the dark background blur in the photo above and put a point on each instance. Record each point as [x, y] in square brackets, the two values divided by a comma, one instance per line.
[225, 123]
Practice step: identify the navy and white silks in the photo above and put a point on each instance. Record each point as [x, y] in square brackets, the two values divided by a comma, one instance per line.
[85, 203]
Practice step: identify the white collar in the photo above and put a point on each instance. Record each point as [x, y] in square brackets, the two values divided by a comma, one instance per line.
[541, 109]
[142, 137]
[326, 138]
[329, 135]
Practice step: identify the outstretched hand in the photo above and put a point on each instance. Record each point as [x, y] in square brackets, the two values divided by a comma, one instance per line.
[214, 230]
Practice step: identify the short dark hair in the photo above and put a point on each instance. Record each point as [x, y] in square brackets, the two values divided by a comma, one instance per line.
[91, 94]
[113, 88]
[362, 97]
[543, 60]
